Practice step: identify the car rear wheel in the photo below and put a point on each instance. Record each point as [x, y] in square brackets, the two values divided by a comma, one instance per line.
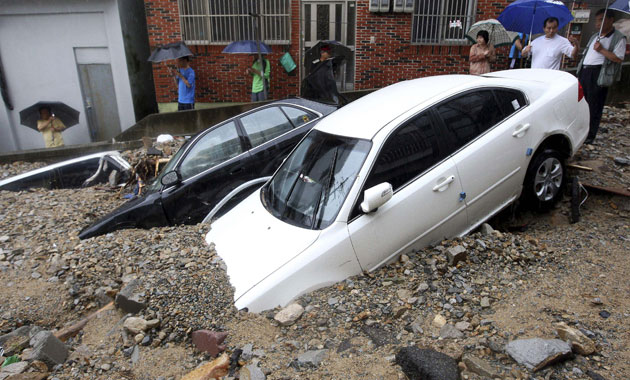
[545, 180]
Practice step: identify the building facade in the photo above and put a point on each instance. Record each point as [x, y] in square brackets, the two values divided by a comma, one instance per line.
[88, 54]
[391, 40]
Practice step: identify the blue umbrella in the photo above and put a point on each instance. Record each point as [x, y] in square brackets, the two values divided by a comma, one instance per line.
[527, 16]
[621, 5]
[246, 47]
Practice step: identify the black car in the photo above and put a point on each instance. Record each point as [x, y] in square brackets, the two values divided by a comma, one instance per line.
[228, 160]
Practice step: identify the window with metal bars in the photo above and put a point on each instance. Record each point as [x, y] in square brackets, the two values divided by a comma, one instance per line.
[219, 22]
[442, 22]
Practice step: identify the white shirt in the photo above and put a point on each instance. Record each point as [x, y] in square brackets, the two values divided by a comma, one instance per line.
[595, 58]
[547, 52]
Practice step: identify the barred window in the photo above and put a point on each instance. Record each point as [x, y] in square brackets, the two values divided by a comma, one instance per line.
[442, 22]
[219, 22]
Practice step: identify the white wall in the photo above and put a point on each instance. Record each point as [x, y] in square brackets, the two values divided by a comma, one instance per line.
[37, 49]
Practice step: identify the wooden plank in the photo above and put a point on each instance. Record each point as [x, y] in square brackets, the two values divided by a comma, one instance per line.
[580, 167]
[612, 190]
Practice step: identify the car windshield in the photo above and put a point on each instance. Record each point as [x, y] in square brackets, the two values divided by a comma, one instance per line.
[312, 184]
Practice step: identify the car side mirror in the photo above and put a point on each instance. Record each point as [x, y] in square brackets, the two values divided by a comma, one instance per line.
[171, 178]
[376, 196]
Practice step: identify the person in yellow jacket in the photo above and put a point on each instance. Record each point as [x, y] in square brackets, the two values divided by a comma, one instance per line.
[50, 127]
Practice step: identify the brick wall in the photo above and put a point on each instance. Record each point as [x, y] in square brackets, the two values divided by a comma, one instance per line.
[391, 58]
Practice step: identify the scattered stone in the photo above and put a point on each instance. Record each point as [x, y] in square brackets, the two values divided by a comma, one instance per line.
[604, 314]
[427, 364]
[486, 229]
[137, 325]
[596, 301]
[251, 372]
[313, 357]
[449, 331]
[15, 341]
[456, 254]
[622, 161]
[289, 314]
[48, 349]
[379, 335]
[538, 353]
[479, 366]
[209, 341]
[462, 326]
[439, 321]
[13, 369]
[212, 370]
[129, 299]
[485, 302]
[579, 342]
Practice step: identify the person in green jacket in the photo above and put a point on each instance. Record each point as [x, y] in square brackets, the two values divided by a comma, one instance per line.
[258, 86]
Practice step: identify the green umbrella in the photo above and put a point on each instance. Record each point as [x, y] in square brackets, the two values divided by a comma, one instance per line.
[498, 35]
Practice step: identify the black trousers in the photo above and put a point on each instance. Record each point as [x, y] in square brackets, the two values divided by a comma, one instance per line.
[595, 97]
[185, 106]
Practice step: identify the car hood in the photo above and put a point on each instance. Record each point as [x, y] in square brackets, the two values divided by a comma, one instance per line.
[253, 243]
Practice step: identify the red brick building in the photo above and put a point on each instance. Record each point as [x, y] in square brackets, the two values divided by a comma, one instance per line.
[391, 40]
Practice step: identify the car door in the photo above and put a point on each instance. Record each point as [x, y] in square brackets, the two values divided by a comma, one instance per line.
[489, 132]
[215, 165]
[425, 204]
[273, 132]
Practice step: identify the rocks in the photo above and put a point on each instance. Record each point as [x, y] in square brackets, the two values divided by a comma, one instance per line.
[130, 298]
[289, 314]
[48, 349]
[251, 372]
[427, 364]
[486, 229]
[485, 302]
[15, 341]
[449, 331]
[136, 325]
[456, 254]
[212, 370]
[480, 367]
[537, 353]
[209, 341]
[579, 342]
[312, 358]
[13, 369]
[439, 321]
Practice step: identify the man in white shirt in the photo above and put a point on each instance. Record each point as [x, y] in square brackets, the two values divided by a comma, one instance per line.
[601, 67]
[547, 50]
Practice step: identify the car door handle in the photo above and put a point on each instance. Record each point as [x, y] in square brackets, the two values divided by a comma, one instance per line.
[520, 131]
[444, 184]
[237, 170]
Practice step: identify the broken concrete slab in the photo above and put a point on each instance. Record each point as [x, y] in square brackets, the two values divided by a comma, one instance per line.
[130, 298]
[456, 254]
[479, 366]
[537, 353]
[427, 364]
[48, 349]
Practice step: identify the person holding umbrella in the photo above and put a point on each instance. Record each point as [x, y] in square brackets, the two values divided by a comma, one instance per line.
[50, 127]
[185, 80]
[481, 54]
[258, 72]
[547, 50]
[600, 67]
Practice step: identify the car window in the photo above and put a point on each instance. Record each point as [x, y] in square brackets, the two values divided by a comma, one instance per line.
[264, 125]
[469, 115]
[409, 151]
[215, 147]
[298, 116]
[510, 101]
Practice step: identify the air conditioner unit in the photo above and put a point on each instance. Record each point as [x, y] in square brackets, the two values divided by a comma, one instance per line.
[379, 6]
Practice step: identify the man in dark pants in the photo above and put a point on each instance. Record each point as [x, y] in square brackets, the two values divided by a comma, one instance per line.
[601, 67]
[185, 79]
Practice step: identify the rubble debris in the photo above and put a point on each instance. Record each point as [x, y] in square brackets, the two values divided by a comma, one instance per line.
[130, 298]
[209, 341]
[537, 353]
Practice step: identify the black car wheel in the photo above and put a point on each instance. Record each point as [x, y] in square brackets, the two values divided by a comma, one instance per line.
[544, 180]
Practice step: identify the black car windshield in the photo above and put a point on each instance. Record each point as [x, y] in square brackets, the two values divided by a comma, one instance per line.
[313, 182]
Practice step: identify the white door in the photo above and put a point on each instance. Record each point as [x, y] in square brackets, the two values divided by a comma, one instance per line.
[426, 205]
[331, 21]
[490, 130]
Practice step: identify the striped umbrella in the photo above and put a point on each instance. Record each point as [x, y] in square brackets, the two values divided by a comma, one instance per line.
[497, 33]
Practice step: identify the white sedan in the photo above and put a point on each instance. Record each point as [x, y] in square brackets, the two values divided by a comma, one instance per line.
[397, 170]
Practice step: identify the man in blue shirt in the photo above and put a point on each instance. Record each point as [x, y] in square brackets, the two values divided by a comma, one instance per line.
[185, 79]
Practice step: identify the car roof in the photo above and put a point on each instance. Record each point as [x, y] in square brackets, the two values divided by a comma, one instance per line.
[322, 108]
[364, 117]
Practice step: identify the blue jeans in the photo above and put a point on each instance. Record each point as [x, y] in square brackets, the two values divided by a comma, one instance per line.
[258, 96]
[185, 106]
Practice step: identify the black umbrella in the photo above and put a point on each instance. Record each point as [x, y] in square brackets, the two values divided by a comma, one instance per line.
[68, 115]
[338, 53]
[170, 51]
